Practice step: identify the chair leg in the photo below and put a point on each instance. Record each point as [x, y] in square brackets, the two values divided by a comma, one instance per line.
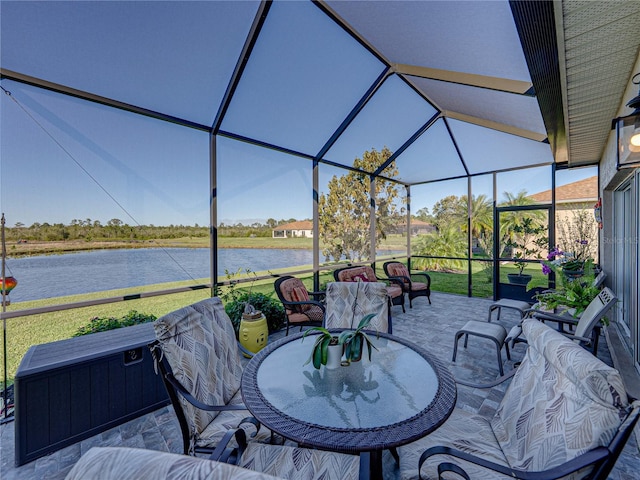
[455, 346]
[429, 298]
[491, 309]
[394, 453]
[499, 358]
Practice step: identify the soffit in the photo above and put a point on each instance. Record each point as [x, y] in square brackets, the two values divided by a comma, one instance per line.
[600, 47]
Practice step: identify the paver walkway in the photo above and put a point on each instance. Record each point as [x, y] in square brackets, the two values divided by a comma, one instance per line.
[432, 326]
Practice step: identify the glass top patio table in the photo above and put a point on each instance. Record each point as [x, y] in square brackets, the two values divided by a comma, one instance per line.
[402, 394]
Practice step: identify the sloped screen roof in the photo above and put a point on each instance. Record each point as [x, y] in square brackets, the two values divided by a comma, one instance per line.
[443, 85]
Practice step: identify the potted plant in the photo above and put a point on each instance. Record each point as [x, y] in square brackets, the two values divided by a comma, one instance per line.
[327, 349]
[526, 239]
[573, 293]
[355, 340]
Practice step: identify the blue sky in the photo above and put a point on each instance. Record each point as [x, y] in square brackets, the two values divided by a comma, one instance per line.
[64, 159]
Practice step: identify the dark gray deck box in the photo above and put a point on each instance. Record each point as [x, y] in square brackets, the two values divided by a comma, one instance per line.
[70, 390]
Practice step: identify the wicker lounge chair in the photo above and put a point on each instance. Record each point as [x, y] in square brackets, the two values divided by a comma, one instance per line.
[412, 288]
[364, 273]
[299, 307]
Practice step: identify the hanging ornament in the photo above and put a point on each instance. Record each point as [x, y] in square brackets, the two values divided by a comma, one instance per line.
[597, 212]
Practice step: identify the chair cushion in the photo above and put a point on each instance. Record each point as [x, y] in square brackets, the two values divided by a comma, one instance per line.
[200, 345]
[398, 270]
[300, 294]
[293, 290]
[107, 463]
[314, 313]
[300, 463]
[463, 431]
[418, 286]
[394, 291]
[562, 402]
[349, 302]
[363, 272]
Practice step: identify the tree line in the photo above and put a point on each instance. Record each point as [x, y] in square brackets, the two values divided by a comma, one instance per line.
[116, 230]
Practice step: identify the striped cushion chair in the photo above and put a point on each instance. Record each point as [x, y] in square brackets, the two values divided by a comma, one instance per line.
[349, 302]
[197, 354]
[291, 463]
[122, 463]
[258, 462]
[565, 415]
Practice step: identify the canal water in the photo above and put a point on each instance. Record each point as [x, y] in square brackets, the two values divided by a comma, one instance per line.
[75, 273]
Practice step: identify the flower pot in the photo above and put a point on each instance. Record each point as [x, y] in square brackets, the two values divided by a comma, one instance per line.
[334, 356]
[519, 279]
[573, 273]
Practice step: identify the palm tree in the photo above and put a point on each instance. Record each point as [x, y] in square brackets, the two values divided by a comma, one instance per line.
[447, 242]
[512, 220]
[481, 214]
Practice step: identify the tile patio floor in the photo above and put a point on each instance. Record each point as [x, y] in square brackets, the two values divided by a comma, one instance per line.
[432, 326]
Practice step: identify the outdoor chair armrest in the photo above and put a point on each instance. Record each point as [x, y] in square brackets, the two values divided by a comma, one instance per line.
[576, 337]
[400, 278]
[307, 302]
[592, 456]
[317, 294]
[194, 401]
[226, 454]
[492, 384]
[426, 276]
[397, 280]
[542, 316]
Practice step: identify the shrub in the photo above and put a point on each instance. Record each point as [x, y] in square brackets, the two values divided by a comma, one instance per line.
[102, 324]
[272, 309]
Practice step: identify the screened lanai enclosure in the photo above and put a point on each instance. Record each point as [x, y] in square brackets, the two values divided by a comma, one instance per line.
[420, 131]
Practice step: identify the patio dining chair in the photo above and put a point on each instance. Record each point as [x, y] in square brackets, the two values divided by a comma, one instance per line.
[412, 288]
[584, 330]
[126, 463]
[364, 273]
[301, 306]
[349, 302]
[565, 414]
[288, 462]
[197, 354]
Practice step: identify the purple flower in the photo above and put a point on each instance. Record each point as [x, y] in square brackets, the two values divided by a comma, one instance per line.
[554, 253]
[545, 269]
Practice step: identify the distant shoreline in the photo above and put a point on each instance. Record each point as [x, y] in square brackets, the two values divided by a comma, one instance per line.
[30, 249]
[36, 248]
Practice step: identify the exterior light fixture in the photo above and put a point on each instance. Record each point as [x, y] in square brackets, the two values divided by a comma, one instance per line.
[628, 132]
